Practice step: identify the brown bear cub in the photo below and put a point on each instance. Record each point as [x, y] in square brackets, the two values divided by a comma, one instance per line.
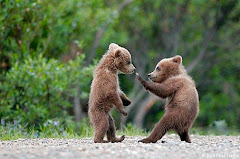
[170, 80]
[105, 92]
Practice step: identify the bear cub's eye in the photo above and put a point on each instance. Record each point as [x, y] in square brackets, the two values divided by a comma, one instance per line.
[158, 68]
[128, 62]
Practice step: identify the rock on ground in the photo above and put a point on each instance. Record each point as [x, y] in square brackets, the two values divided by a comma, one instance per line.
[218, 147]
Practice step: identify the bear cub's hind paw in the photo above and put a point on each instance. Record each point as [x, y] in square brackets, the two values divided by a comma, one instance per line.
[118, 139]
[101, 141]
[146, 140]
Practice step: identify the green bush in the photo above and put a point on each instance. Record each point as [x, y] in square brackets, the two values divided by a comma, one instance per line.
[40, 89]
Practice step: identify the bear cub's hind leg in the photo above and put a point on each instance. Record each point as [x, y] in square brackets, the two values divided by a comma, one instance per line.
[111, 133]
[184, 136]
[101, 126]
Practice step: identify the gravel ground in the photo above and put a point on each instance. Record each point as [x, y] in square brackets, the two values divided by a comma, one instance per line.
[201, 147]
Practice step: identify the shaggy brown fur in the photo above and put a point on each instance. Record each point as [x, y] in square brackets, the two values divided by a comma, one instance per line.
[105, 92]
[171, 81]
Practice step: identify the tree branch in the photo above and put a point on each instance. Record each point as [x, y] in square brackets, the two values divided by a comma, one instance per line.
[207, 38]
[135, 101]
[150, 100]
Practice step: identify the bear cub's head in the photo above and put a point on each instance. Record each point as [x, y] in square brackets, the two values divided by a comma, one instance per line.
[167, 68]
[122, 59]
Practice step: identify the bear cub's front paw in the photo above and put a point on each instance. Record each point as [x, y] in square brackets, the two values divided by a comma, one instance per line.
[126, 102]
[124, 113]
[141, 80]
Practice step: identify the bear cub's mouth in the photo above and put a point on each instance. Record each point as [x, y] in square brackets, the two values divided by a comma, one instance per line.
[152, 78]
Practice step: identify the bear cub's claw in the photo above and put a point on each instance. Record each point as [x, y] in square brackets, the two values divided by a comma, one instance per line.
[124, 113]
[139, 78]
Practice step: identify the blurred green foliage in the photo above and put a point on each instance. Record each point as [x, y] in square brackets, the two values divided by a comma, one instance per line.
[47, 49]
[39, 89]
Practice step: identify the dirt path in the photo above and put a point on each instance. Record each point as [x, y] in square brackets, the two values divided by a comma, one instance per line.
[201, 147]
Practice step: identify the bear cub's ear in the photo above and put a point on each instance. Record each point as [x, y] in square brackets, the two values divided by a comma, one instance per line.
[113, 46]
[117, 53]
[177, 59]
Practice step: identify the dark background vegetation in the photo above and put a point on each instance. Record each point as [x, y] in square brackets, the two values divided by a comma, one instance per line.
[48, 50]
